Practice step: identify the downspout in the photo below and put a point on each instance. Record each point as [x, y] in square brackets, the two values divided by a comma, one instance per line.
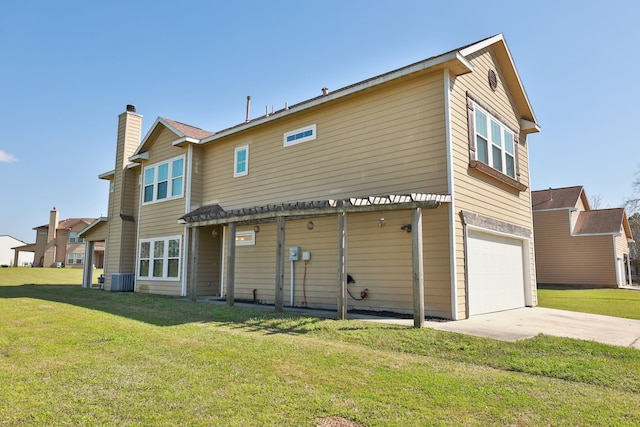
[187, 207]
[453, 268]
[223, 264]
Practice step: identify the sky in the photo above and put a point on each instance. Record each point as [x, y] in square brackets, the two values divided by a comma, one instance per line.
[69, 68]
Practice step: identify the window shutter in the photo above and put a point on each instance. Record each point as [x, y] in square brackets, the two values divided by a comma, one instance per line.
[472, 130]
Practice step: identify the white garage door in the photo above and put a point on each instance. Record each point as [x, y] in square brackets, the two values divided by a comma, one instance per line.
[496, 273]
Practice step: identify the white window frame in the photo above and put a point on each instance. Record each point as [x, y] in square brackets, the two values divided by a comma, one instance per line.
[75, 258]
[494, 142]
[164, 258]
[74, 238]
[298, 136]
[171, 181]
[245, 238]
[245, 172]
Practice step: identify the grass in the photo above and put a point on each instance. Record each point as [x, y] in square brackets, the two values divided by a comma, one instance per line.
[610, 302]
[73, 356]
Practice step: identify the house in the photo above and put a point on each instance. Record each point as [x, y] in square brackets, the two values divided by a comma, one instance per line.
[406, 192]
[58, 243]
[576, 245]
[7, 253]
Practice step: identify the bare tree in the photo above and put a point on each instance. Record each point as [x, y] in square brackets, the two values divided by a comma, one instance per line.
[595, 201]
[632, 204]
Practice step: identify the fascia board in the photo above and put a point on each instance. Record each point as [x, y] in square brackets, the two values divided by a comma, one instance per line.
[185, 140]
[554, 209]
[139, 157]
[107, 175]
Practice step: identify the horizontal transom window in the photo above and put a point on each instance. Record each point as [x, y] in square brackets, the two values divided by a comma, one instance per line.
[300, 135]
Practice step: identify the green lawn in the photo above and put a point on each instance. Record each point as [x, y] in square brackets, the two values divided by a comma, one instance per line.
[73, 356]
[610, 302]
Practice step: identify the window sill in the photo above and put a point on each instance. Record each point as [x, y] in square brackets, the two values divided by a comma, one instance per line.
[488, 170]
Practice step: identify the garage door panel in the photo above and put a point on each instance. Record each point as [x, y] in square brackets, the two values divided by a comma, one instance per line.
[495, 273]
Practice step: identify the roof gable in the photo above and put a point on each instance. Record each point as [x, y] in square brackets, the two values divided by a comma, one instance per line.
[499, 46]
[183, 132]
[557, 198]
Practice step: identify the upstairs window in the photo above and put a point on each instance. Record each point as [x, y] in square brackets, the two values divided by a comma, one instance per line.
[241, 161]
[163, 181]
[494, 143]
[300, 135]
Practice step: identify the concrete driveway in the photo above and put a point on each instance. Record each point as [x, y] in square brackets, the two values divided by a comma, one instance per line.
[513, 325]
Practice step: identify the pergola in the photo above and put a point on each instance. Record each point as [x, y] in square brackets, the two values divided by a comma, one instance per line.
[280, 213]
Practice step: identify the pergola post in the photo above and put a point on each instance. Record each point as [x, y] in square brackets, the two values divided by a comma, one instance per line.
[280, 225]
[418, 268]
[193, 282]
[342, 266]
[231, 264]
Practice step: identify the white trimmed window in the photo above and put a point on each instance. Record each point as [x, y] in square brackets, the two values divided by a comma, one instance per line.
[245, 238]
[241, 161]
[495, 143]
[73, 238]
[74, 259]
[300, 135]
[163, 181]
[159, 258]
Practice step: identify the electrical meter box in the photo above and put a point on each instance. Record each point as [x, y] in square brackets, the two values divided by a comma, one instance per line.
[294, 253]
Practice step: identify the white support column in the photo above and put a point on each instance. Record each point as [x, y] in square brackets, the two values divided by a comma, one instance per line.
[87, 274]
[193, 270]
[418, 268]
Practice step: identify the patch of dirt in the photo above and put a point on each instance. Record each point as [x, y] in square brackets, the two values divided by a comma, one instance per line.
[335, 421]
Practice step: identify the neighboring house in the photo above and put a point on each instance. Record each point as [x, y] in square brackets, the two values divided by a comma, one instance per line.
[414, 183]
[576, 245]
[8, 254]
[58, 244]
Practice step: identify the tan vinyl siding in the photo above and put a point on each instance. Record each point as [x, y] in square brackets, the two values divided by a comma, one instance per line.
[622, 246]
[196, 175]
[571, 260]
[365, 144]
[475, 191]
[160, 219]
[379, 259]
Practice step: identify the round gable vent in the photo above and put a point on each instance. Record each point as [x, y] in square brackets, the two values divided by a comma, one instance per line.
[493, 80]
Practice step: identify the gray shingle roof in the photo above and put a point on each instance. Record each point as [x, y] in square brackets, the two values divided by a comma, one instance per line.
[555, 198]
[602, 221]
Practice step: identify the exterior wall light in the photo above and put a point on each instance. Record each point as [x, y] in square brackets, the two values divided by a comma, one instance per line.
[310, 225]
[256, 228]
[381, 222]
